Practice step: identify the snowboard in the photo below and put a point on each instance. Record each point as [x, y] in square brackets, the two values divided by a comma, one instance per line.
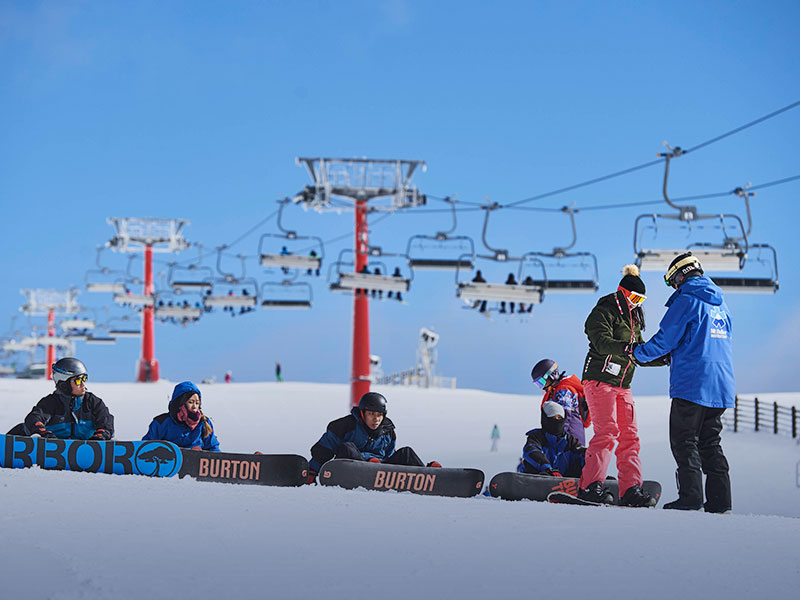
[527, 486]
[651, 487]
[150, 458]
[429, 481]
[255, 469]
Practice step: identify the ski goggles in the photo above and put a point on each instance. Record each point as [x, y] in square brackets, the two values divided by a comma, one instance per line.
[80, 379]
[633, 297]
[541, 382]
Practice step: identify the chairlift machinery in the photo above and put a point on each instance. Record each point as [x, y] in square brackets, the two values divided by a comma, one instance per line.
[290, 260]
[464, 261]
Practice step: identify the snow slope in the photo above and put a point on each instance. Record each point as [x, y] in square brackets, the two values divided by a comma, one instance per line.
[76, 535]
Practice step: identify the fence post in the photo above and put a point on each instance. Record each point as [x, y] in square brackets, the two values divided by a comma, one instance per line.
[774, 417]
[755, 403]
[736, 414]
[794, 422]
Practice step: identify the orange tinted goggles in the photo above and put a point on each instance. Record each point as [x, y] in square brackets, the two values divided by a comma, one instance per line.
[633, 297]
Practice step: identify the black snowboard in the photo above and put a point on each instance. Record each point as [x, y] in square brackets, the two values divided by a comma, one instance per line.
[430, 481]
[526, 486]
[651, 487]
[254, 469]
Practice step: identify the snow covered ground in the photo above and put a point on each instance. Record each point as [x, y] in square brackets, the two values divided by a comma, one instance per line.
[76, 535]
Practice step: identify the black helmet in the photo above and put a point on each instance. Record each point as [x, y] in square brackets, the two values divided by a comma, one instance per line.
[372, 401]
[66, 368]
[681, 268]
[543, 370]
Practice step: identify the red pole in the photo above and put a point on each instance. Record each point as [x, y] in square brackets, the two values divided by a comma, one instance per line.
[359, 380]
[147, 367]
[51, 350]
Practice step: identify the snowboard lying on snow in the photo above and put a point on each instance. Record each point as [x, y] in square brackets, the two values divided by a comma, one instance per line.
[430, 481]
[151, 458]
[527, 486]
[258, 469]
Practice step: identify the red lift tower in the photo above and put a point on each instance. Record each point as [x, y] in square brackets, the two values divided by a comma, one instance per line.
[147, 236]
[49, 302]
[372, 185]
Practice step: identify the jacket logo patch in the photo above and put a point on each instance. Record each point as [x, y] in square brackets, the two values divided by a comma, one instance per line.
[718, 321]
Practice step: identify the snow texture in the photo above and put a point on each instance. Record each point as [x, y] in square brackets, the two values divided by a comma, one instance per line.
[76, 535]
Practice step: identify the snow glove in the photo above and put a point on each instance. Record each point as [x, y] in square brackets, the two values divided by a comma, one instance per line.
[39, 430]
[101, 435]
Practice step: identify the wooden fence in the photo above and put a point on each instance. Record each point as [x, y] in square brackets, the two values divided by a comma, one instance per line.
[756, 415]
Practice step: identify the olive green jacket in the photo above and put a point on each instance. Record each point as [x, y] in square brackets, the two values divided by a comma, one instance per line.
[610, 327]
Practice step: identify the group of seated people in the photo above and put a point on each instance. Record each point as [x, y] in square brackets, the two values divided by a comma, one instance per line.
[367, 433]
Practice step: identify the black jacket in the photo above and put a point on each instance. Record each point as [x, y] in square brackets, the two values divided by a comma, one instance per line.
[71, 417]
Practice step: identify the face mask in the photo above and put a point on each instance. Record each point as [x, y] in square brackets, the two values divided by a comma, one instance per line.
[553, 426]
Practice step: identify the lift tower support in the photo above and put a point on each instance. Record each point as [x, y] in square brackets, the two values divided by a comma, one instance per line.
[372, 185]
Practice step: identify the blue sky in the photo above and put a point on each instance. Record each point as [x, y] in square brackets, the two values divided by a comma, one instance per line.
[197, 110]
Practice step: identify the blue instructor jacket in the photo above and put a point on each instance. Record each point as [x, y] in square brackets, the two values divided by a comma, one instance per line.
[696, 333]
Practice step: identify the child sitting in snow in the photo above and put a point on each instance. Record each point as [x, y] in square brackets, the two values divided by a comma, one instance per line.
[550, 450]
[184, 424]
[566, 391]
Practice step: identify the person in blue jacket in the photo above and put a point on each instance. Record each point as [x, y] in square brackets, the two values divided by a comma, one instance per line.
[71, 412]
[696, 333]
[551, 450]
[184, 424]
[365, 434]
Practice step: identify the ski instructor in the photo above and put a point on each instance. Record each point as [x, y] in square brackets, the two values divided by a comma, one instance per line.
[696, 333]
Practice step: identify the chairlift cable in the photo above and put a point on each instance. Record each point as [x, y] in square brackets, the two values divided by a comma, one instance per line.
[653, 162]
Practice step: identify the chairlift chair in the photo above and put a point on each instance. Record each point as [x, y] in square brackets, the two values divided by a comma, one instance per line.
[123, 332]
[751, 285]
[104, 279]
[464, 261]
[192, 278]
[105, 340]
[247, 286]
[471, 291]
[138, 300]
[285, 294]
[728, 255]
[349, 280]
[76, 324]
[290, 260]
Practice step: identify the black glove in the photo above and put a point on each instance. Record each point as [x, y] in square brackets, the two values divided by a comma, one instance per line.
[100, 435]
[629, 348]
[39, 429]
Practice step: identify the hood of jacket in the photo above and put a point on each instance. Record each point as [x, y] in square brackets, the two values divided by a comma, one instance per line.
[701, 288]
[182, 388]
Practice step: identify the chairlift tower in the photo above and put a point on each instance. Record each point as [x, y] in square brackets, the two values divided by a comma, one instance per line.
[48, 302]
[372, 185]
[147, 236]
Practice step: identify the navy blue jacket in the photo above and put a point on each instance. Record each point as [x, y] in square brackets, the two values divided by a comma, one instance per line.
[378, 443]
[696, 333]
[71, 417]
[543, 451]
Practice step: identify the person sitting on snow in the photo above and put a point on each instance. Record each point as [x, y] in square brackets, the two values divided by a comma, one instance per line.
[184, 424]
[365, 434]
[70, 412]
[550, 450]
[566, 391]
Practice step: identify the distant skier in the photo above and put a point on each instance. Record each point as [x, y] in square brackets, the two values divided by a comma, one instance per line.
[70, 412]
[495, 437]
[228, 376]
[184, 424]
[566, 391]
[551, 450]
[278, 372]
[365, 434]
[696, 334]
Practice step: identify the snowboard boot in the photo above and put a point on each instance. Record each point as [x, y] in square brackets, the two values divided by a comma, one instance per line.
[635, 496]
[595, 492]
[681, 505]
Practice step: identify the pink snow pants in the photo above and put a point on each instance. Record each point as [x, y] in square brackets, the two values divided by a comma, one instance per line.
[614, 420]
